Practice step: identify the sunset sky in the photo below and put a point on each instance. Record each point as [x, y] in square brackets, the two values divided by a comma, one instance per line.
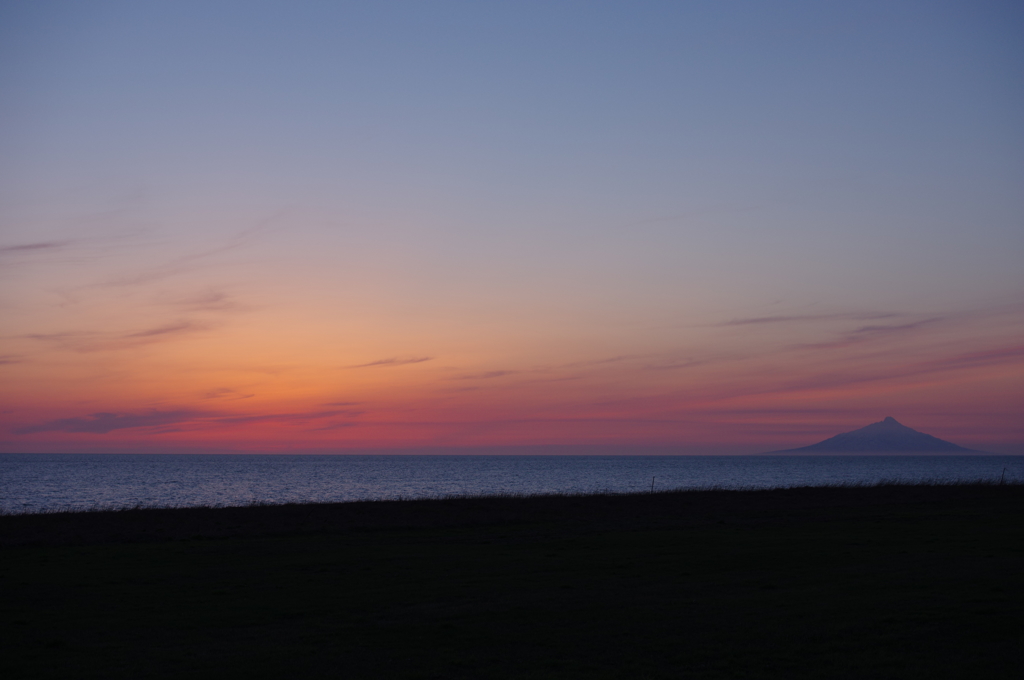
[691, 227]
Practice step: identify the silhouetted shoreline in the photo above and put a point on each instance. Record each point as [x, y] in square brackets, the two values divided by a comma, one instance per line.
[582, 511]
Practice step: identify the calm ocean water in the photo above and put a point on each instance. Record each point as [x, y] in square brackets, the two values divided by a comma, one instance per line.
[34, 482]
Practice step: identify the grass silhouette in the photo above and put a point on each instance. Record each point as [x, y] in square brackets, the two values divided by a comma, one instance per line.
[843, 581]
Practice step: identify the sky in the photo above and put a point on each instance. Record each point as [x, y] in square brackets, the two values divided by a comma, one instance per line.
[630, 227]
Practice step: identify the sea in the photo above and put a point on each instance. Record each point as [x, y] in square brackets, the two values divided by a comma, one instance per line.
[32, 483]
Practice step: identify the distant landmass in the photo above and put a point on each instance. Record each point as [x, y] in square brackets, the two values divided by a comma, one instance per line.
[887, 436]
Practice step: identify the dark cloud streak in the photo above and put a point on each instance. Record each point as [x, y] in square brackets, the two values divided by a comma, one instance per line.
[896, 329]
[102, 423]
[394, 361]
[30, 247]
[210, 301]
[486, 375]
[174, 328]
[690, 363]
[865, 333]
[801, 318]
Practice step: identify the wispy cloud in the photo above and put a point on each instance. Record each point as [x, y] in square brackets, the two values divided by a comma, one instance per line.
[10, 359]
[210, 300]
[227, 393]
[66, 251]
[14, 256]
[1001, 356]
[865, 333]
[598, 362]
[674, 365]
[563, 378]
[189, 261]
[394, 361]
[288, 417]
[337, 426]
[67, 339]
[169, 329]
[487, 375]
[802, 318]
[91, 341]
[102, 423]
[896, 329]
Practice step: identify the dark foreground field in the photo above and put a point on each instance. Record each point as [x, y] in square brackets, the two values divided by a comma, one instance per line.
[874, 582]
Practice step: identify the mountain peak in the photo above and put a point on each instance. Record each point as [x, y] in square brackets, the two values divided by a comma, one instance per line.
[885, 436]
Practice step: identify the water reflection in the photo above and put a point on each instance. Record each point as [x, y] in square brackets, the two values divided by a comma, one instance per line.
[33, 482]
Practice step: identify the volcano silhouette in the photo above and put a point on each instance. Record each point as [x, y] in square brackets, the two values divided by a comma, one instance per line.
[887, 436]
